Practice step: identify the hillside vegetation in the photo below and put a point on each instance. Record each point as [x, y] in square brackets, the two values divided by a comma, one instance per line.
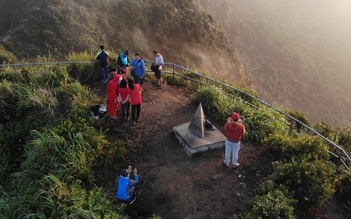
[297, 52]
[54, 155]
[182, 33]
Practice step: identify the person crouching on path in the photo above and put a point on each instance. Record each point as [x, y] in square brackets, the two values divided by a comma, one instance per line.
[123, 99]
[138, 69]
[234, 130]
[135, 99]
[126, 185]
[112, 103]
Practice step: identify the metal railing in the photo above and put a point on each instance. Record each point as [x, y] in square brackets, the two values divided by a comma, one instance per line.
[341, 154]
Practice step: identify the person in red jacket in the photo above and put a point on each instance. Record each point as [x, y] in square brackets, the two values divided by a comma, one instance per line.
[112, 103]
[235, 131]
[135, 100]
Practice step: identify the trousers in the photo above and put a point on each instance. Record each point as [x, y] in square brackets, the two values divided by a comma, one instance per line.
[231, 147]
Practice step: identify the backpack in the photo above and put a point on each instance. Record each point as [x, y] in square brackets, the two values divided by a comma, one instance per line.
[208, 125]
[119, 61]
[154, 68]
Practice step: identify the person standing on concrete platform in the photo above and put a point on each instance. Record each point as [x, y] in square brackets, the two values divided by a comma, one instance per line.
[234, 130]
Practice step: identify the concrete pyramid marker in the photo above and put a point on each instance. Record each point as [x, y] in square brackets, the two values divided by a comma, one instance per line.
[197, 124]
[192, 134]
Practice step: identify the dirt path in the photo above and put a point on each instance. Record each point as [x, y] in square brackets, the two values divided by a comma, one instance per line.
[175, 185]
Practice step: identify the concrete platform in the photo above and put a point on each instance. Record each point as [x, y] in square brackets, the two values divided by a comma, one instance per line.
[194, 144]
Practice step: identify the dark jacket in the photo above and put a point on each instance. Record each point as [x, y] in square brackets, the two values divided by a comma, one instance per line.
[103, 59]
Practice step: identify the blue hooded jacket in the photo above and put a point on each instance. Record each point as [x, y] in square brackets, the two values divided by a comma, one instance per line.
[124, 60]
[140, 70]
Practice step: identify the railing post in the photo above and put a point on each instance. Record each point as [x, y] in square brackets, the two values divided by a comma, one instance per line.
[291, 125]
[173, 72]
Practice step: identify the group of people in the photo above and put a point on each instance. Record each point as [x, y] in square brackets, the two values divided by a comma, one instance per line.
[123, 91]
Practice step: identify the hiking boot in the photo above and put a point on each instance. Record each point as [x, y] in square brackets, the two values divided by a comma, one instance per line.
[224, 164]
[236, 166]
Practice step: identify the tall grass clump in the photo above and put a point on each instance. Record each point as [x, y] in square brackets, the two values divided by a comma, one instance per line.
[177, 81]
[262, 123]
[83, 72]
[12, 75]
[88, 71]
[218, 105]
[6, 57]
[53, 152]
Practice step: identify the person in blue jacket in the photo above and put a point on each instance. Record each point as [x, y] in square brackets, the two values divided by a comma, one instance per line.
[138, 69]
[123, 61]
[126, 185]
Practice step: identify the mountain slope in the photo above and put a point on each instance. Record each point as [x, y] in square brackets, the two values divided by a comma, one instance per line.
[183, 34]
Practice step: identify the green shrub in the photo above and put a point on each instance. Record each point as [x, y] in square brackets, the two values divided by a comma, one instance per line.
[288, 148]
[274, 204]
[6, 154]
[6, 57]
[344, 192]
[312, 183]
[301, 117]
[344, 138]
[325, 130]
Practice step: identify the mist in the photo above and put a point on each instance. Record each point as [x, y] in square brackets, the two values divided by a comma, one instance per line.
[297, 53]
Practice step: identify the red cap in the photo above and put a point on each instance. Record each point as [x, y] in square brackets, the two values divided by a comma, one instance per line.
[235, 116]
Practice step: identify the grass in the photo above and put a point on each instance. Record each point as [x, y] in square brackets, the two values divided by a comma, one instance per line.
[63, 150]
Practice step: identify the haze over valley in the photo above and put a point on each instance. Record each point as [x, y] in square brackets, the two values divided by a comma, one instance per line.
[296, 52]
